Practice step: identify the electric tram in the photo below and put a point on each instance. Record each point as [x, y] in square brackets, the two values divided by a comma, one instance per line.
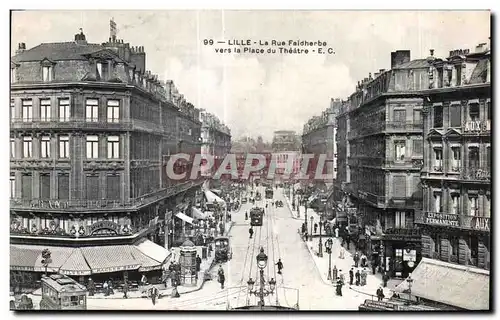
[256, 215]
[60, 292]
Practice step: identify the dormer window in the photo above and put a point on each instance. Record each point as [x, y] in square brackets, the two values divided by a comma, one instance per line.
[102, 71]
[47, 73]
[13, 75]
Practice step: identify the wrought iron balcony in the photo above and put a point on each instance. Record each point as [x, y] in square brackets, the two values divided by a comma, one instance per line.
[84, 204]
[482, 173]
[413, 163]
[406, 126]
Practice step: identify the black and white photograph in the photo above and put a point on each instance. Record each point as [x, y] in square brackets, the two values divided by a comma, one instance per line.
[250, 160]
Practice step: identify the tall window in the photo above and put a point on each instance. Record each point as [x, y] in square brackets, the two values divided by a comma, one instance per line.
[418, 147]
[27, 147]
[455, 116]
[474, 157]
[417, 116]
[63, 186]
[45, 109]
[92, 147]
[13, 75]
[64, 110]
[12, 185]
[28, 110]
[12, 109]
[113, 188]
[12, 147]
[400, 221]
[46, 73]
[487, 206]
[45, 186]
[437, 243]
[26, 185]
[474, 112]
[456, 157]
[454, 246]
[399, 186]
[45, 147]
[488, 110]
[400, 115]
[64, 147]
[438, 159]
[92, 110]
[455, 203]
[488, 159]
[473, 205]
[102, 70]
[438, 116]
[113, 147]
[113, 111]
[437, 202]
[400, 150]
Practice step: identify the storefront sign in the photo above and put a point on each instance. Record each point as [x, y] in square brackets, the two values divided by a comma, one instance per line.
[75, 273]
[146, 269]
[376, 305]
[105, 224]
[442, 219]
[116, 269]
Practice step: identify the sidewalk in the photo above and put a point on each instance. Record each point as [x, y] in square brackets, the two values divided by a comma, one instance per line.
[372, 281]
[206, 266]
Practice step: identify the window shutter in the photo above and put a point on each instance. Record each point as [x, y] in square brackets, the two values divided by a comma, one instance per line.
[399, 186]
[455, 116]
[45, 186]
[92, 188]
[26, 186]
[63, 187]
[113, 187]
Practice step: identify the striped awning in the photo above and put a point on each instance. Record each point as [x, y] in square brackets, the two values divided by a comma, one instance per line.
[104, 259]
[75, 265]
[26, 257]
[152, 250]
[198, 214]
[212, 197]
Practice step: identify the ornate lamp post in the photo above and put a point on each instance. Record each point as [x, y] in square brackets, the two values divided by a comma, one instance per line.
[320, 244]
[328, 245]
[312, 218]
[410, 282]
[46, 259]
[262, 291]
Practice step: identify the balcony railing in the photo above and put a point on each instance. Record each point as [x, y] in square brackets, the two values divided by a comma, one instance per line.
[406, 202]
[453, 220]
[372, 198]
[476, 173]
[476, 127]
[84, 204]
[414, 163]
[404, 126]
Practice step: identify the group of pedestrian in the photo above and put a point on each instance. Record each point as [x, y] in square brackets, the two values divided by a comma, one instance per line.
[357, 278]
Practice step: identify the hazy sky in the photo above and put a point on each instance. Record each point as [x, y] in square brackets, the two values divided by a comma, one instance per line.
[257, 94]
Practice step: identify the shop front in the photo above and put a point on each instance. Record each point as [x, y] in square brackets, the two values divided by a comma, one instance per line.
[402, 251]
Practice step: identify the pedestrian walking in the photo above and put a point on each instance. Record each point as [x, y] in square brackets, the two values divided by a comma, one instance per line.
[374, 266]
[144, 280]
[222, 278]
[342, 253]
[91, 287]
[280, 266]
[250, 232]
[363, 277]
[198, 263]
[341, 276]
[210, 249]
[358, 277]
[315, 228]
[356, 259]
[385, 279]
[339, 287]
[105, 288]
[125, 289]
[351, 276]
[154, 294]
[110, 287]
[380, 294]
[348, 241]
[363, 260]
[336, 232]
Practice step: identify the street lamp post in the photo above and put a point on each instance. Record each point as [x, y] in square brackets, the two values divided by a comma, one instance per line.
[320, 244]
[410, 282]
[262, 291]
[328, 245]
[305, 212]
[312, 218]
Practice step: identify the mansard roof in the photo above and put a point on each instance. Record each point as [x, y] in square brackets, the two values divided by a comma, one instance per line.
[58, 51]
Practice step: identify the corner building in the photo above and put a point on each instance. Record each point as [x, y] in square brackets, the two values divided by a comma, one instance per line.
[456, 175]
[89, 130]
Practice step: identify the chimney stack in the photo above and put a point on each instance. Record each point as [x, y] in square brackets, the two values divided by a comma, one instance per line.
[21, 47]
[399, 57]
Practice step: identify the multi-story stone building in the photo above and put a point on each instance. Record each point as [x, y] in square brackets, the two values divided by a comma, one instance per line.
[285, 140]
[457, 160]
[383, 123]
[319, 137]
[90, 127]
[215, 140]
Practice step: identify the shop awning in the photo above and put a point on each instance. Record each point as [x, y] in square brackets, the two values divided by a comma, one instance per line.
[152, 250]
[29, 257]
[75, 265]
[184, 217]
[147, 263]
[212, 197]
[23, 257]
[198, 214]
[104, 259]
[455, 285]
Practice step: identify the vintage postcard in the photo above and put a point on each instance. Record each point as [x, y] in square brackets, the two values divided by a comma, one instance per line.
[250, 160]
